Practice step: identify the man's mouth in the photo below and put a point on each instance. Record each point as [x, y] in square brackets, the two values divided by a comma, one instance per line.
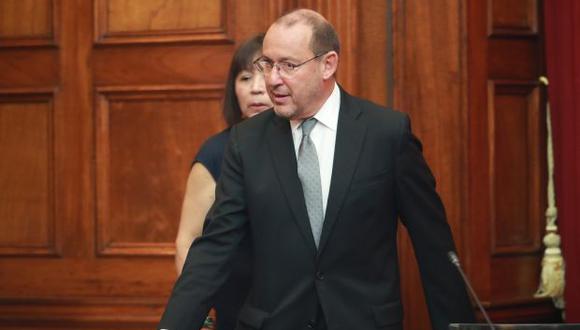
[280, 98]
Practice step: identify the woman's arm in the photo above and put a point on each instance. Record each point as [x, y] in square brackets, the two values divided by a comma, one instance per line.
[199, 196]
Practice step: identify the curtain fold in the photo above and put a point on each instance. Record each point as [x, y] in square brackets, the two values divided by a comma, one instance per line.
[562, 31]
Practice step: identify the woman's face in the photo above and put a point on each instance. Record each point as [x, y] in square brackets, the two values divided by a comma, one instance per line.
[251, 93]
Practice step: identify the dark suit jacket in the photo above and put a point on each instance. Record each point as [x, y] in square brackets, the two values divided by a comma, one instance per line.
[378, 175]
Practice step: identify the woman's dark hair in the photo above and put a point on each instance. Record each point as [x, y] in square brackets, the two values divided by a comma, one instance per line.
[242, 60]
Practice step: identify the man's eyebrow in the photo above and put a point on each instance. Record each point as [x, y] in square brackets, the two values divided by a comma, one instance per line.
[283, 59]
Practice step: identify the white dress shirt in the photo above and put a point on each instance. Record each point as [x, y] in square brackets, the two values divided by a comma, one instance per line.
[323, 136]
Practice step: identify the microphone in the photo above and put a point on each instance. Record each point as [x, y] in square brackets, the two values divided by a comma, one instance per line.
[455, 261]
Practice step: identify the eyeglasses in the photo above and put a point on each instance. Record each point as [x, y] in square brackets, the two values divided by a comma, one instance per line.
[285, 68]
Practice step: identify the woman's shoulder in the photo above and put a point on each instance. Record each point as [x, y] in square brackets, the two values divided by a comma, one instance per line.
[215, 143]
[211, 153]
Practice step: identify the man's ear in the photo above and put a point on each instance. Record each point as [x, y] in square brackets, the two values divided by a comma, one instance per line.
[330, 62]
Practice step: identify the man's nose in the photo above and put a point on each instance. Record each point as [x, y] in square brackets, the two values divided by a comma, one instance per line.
[273, 77]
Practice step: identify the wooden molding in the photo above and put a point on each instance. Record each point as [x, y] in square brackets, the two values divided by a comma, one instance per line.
[87, 312]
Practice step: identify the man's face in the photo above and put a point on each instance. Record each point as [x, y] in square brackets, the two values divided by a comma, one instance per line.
[296, 95]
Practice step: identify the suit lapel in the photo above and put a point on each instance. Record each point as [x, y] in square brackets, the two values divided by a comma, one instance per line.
[350, 135]
[282, 150]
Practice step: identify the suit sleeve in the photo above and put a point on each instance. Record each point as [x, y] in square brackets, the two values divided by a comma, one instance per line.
[209, 260]
[423, 214]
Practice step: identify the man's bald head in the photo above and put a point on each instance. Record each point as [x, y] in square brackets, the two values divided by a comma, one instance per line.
[324, 38]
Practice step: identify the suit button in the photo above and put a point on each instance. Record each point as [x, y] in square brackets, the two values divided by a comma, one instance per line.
[320, 276]
[311, 324]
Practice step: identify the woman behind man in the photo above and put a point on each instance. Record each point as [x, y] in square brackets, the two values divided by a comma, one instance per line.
[245, 96]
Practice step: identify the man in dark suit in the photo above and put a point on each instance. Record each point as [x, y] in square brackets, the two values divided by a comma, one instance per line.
[319, 183]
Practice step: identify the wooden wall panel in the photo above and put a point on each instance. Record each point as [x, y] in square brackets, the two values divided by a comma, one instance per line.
[36, 29]
[514, 282]
[39, 12]
[140, 177]
[38, 24]
[344, 16]
[162, 15]
[179, 65]
[512, 17]
[524, 59]
[274, 8]
[28, 68]
[94, 314]
[375, 52]
[113, 272]
[87, 278]
[428, 84]
[514, 126]
[128, 21]
[27, 148]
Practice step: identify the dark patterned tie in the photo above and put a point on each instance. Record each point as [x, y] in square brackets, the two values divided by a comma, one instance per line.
[309, 174]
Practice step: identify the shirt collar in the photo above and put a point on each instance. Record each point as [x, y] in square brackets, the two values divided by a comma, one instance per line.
[328, 113]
